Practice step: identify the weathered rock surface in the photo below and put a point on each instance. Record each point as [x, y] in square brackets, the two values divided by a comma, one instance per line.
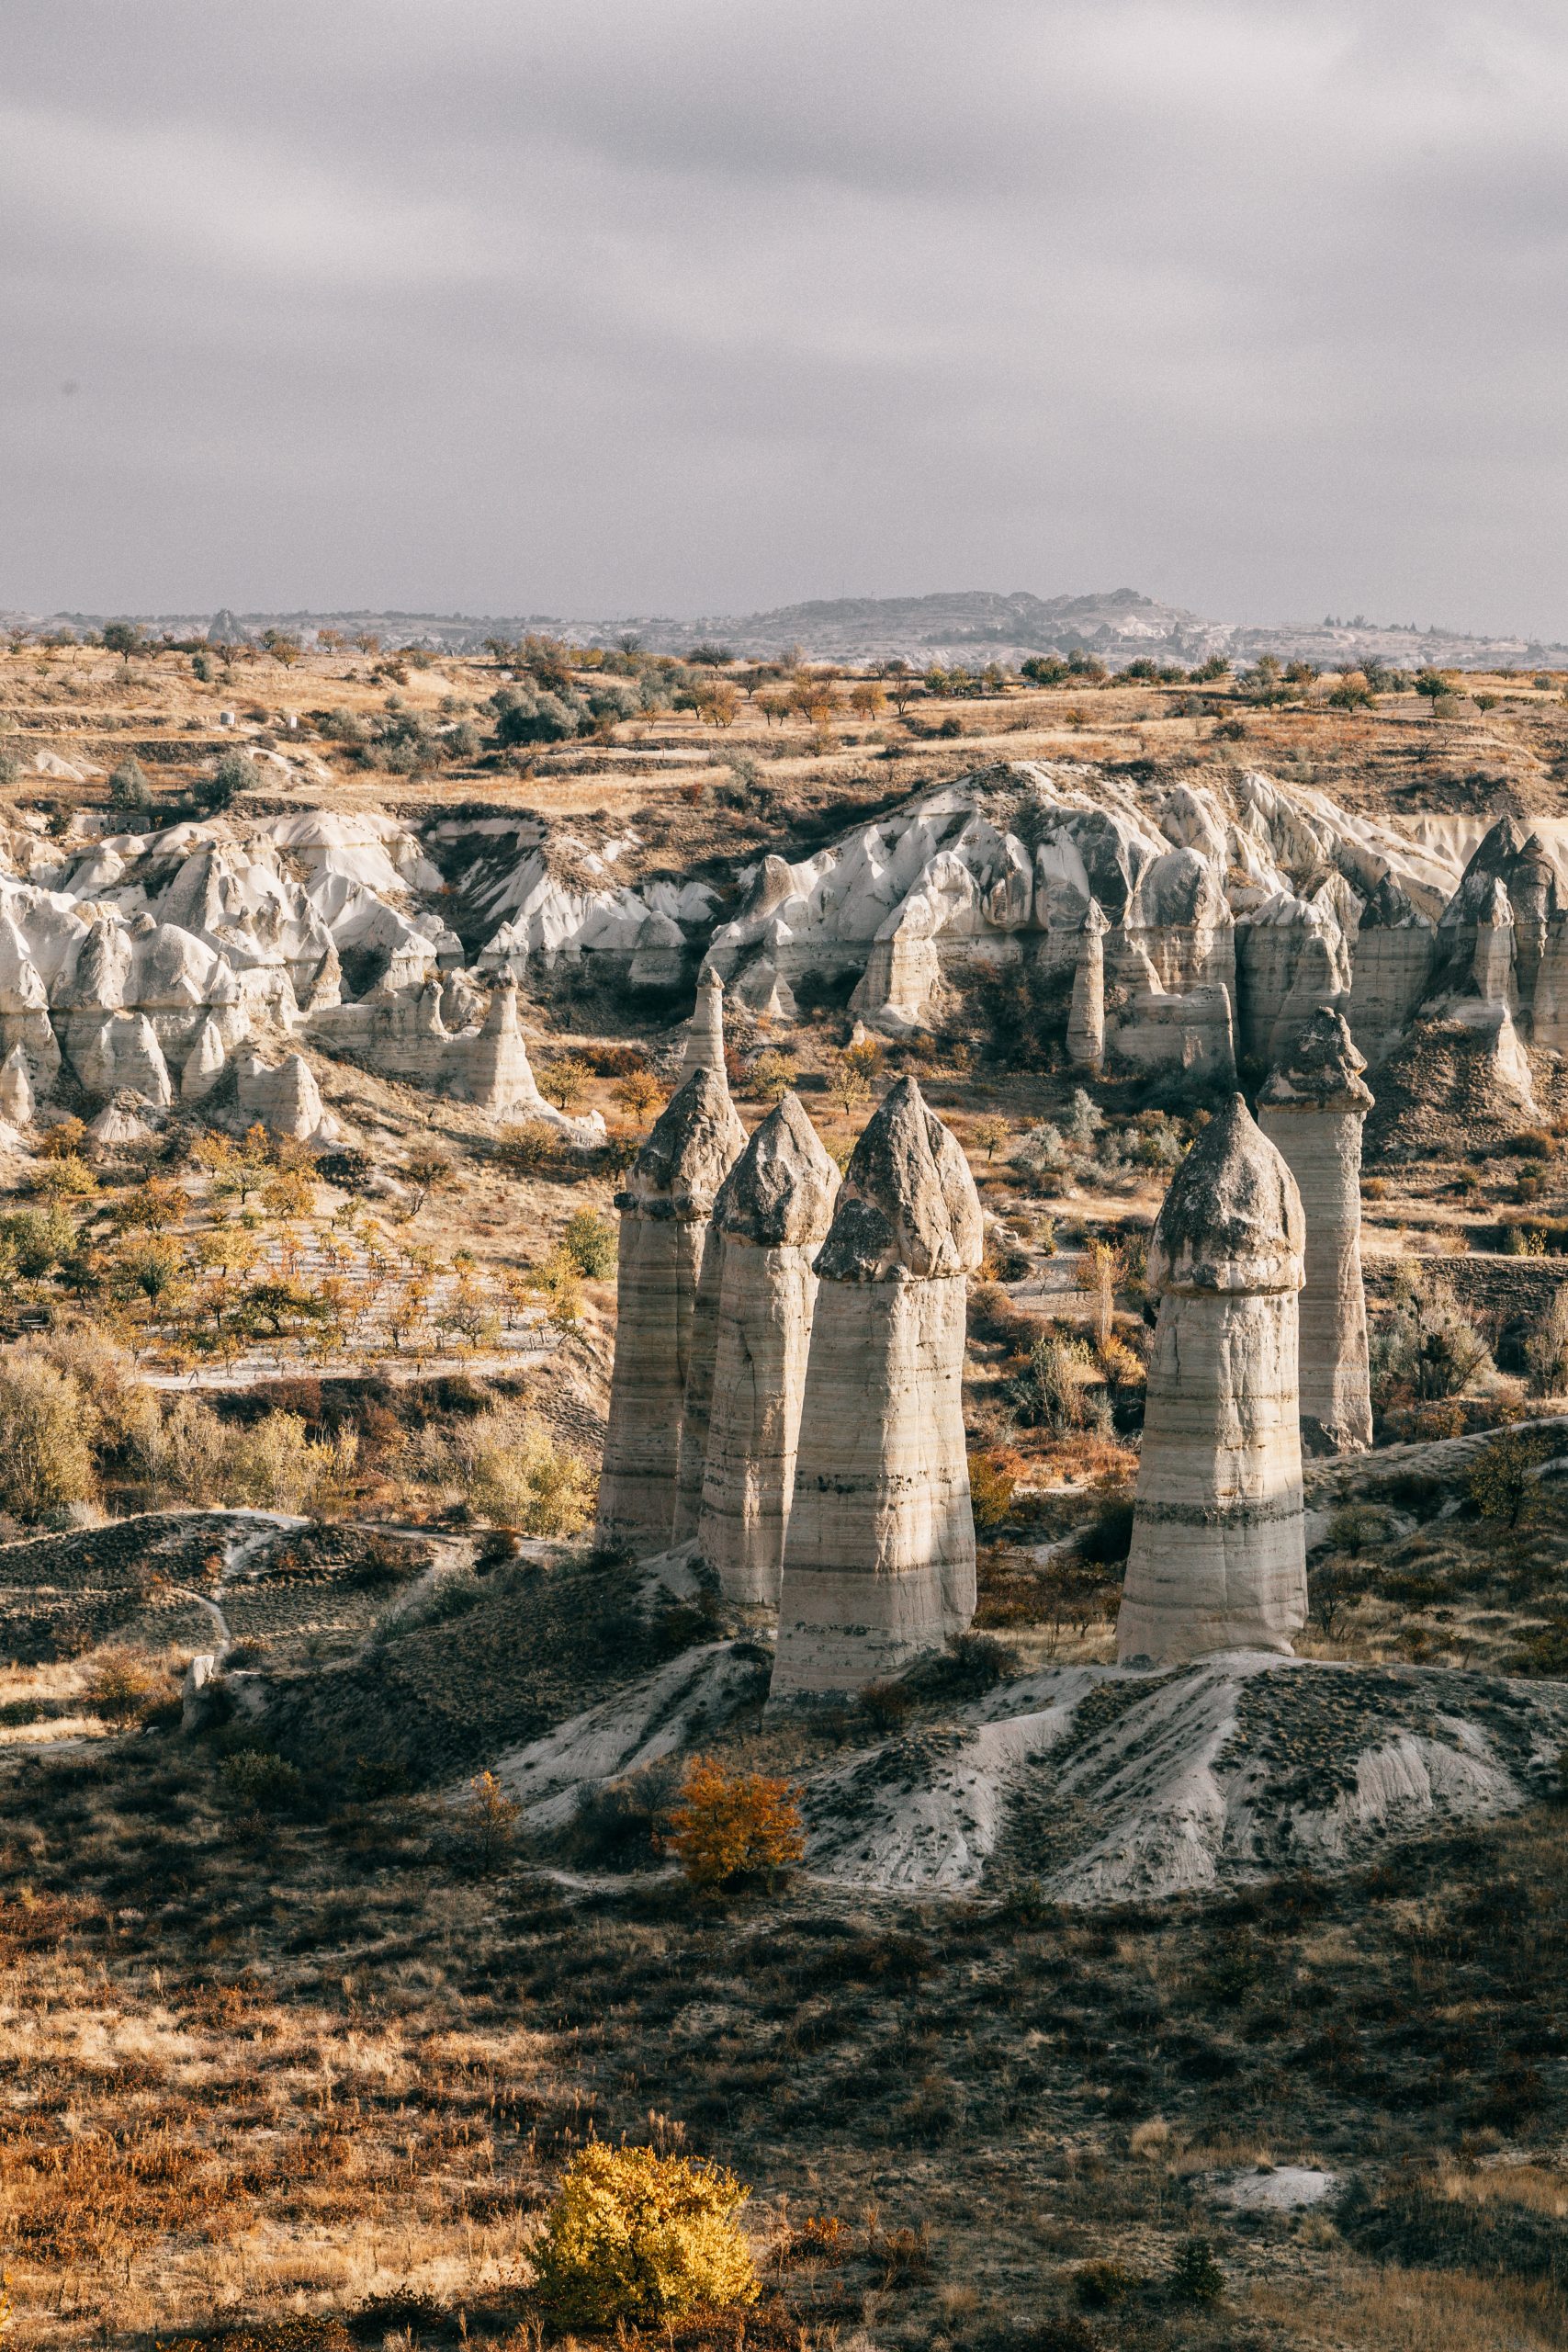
[1097, 1785]
[665, 1207]
[15, 1089]
[704, 1047]
[1313, 1110]
[879, 1556]
[772, 1215]
[1228, 912]
[285, 1098]
[1218, 1558]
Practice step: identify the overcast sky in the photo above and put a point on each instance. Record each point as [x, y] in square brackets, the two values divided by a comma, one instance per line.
[705, 306]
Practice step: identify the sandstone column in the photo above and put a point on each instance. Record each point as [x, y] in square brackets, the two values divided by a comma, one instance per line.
[664, 1211]
[703, 1048]
[1218, 1559]
[770, 1220]
[879, 1556]
[1313, 1109]
[1085, 1021]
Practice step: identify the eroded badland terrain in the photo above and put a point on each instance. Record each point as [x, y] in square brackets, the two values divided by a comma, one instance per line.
[372, 1022]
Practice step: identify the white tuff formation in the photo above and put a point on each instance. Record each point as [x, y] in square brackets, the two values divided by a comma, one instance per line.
[1086, 1019]
[286, 1100]
[770, 1220]
[1313, 1109]
[665, 1209]
[703, 1048]
[1218, 1558]
[15, 1089]
[879, 1558]
[1229, 911]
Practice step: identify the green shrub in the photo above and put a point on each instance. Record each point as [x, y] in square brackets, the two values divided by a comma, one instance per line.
[1195, 2275]
[589, 1241]
[1108, 1538]
[642, 2237]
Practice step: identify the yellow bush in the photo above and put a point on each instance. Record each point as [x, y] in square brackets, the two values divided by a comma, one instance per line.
[509, 1471]
[993, 1476]
[731, 1825]
[47, 1429]
[637, 2236]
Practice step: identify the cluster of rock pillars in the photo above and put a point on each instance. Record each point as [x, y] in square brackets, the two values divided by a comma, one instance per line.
[787, 1397]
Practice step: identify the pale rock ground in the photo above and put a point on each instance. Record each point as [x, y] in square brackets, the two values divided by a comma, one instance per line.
[879, 1556]
[1098, 1785]
[1312, 1110]
[1218, 1557]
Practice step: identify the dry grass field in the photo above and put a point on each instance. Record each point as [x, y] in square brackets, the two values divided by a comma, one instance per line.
[297, 2028]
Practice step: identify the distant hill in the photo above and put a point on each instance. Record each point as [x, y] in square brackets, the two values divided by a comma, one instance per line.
[973, 626]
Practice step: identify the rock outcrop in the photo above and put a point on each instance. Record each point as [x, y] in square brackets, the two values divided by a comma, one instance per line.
[1226, 911]
[285, 1098]
[772, 1215]
[665, 1207]
[1313, 1109]
[1218, 1557]
[17, 1103]
[1086, 1015]
[879, 1556]
[704, 1047]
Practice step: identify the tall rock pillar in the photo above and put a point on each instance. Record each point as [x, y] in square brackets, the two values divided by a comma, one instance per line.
[665, 1208]
[771, 1219]
[703, 1048]
[1086, 1019]
[1218, 1559]
[1312, 1109]
[879, 1556]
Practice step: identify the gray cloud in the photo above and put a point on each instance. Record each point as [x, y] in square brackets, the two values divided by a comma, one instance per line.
[476, 303]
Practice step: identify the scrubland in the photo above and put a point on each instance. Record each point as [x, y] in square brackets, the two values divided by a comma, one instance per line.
[298, 2029]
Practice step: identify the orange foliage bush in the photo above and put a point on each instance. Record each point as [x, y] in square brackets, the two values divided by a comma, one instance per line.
[729, 1826]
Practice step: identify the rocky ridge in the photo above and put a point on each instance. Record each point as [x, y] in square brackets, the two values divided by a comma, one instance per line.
[1160, 925]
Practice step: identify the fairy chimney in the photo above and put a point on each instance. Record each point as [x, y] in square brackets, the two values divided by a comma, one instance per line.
[1086, 1018]
[1313, 1109]
[1218, 1558]
[879, 1555]
[17, 1103]
[704, 1047]
[771, 1219]
[665, 1209]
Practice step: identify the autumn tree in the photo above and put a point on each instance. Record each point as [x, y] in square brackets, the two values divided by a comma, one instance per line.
[638, 1094]
[729, 1827]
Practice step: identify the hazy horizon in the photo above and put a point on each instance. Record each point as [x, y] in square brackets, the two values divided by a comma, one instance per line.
[477, 308]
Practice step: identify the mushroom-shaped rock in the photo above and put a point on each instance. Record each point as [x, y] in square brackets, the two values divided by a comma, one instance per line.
[665, 1207]
[703, 1048]
[1218, 1557]
[879, 1556]
[497, 1073]
[743, 1399]
[17, 1103]
[1313, 1109]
